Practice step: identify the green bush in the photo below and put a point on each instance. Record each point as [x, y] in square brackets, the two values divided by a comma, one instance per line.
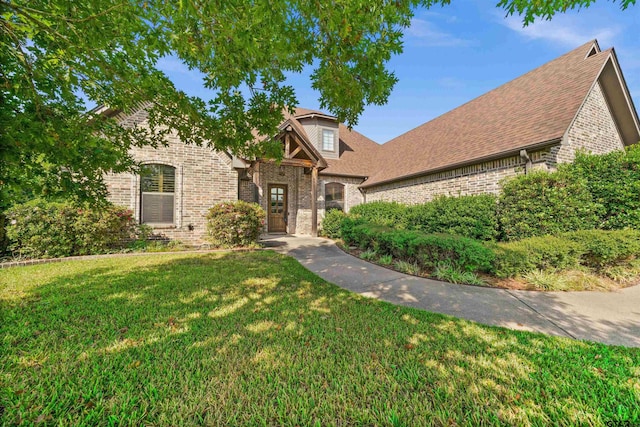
[535, 253]
[461, 252]
[331, 223]
[543, 203]
[4, 243]
[474, 217]
[42, 229]
[347, 227]
[613, 180]
[235, 224]
[382, 213]
[602, 248]
[427, 250]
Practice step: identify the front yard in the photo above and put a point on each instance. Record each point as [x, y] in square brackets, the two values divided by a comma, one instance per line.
[255, 339]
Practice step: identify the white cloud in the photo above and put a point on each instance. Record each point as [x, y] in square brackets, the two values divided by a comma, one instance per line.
[566, 30]
[428, 34]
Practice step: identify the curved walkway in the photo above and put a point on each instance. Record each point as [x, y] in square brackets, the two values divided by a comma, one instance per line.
[608, 317]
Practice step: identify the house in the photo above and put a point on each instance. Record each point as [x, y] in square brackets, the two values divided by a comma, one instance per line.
[578, 101]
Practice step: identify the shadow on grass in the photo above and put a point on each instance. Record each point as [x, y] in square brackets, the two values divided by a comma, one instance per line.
[609, 317]
[254, 338]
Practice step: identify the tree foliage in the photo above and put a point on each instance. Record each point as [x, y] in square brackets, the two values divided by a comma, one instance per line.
[55, 55]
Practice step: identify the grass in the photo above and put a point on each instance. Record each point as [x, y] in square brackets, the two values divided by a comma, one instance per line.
[255, 339]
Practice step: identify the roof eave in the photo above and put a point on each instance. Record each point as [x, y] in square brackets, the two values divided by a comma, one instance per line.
[538, 145]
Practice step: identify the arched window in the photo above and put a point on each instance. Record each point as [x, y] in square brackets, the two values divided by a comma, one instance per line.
[157, 190]
[334, 196]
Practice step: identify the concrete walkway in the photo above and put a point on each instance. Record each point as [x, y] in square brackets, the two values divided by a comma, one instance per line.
[608, 317]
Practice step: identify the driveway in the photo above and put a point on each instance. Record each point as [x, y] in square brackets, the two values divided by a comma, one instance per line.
[607, 317]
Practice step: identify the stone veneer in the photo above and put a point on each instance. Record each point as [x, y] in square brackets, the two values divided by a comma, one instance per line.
[298, 193]
[203, 177]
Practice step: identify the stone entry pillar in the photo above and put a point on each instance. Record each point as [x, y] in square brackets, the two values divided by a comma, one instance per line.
[314, 202]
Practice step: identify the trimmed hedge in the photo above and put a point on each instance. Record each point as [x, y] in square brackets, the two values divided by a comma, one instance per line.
[543, 203]
[383, 213]
[606, 248]
[613, 180]
[235, 224]
[43, 229]
[596, 249]
[474, 217]
[535, 253]
[331, 223]
[427, 250]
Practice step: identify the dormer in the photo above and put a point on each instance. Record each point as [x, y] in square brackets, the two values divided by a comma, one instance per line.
[323, 132]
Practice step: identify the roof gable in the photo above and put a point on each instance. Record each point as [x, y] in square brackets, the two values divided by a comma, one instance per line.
[533, 109]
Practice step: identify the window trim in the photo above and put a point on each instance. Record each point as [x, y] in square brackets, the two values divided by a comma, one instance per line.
[173, 223]
[343, 208]
[333, 133]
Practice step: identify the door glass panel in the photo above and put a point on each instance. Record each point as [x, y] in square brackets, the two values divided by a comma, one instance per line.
[277, 200]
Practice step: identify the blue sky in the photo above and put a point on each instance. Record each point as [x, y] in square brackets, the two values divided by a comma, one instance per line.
[455, 53]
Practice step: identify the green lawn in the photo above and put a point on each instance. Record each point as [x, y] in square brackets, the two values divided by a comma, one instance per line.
[255, 339]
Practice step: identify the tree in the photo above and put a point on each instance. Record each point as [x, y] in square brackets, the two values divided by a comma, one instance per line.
[57, 54]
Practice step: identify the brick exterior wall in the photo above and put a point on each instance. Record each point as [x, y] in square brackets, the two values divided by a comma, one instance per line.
[298, 194]
[469, 180]
[203, 177]
[593, 130]
[352, 194]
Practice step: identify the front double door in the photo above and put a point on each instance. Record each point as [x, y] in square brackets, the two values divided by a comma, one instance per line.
[277, 208]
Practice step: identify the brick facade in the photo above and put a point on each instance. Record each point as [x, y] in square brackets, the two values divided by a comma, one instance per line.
[593, 130]
[469, 180]
[352, 194]
[203, 177]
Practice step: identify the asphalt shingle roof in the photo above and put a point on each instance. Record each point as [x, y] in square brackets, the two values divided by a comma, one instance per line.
[537, 107]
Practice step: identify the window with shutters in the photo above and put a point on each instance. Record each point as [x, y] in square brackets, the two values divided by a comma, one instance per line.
[157, 189]
[334, 196]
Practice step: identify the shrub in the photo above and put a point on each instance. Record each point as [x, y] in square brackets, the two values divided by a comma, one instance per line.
[602, 248]
[474, 217]
[535, 253]
[544, 280]
[543, 203]
[447, 272]
[369, 255]
[613, 180]
[382, 213]
[407, 267]
[41, 228]
[427, 250]
[3, 234]
[331, 223]
[463, 253]
[347, 226]
[235, 224]
[385, 260]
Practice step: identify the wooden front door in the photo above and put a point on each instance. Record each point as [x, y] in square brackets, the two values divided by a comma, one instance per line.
[277, 208]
